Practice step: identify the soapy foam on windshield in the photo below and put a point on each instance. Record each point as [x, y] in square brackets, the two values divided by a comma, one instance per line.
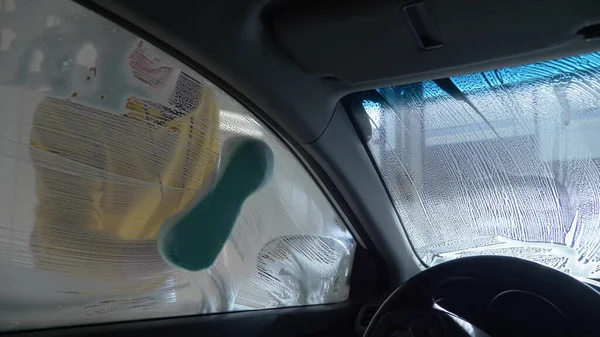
[537, 184]
[6, 38]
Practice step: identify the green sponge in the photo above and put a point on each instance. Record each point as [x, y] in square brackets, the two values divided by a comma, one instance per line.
[193, 239]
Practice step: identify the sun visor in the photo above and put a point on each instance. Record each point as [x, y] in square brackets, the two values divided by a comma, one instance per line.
[372, 41]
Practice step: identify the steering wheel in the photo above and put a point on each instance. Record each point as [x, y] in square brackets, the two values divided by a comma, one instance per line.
[577, 301]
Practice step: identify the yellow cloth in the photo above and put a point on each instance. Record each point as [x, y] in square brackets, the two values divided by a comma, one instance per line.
[106, 183]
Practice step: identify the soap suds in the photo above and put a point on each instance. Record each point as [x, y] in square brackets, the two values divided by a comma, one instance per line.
[52, 21]
[35, 65]
[531, 190]
[6, 38]
[87, 56]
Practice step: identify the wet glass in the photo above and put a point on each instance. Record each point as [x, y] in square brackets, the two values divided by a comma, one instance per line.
[508, 164]
[102, 138]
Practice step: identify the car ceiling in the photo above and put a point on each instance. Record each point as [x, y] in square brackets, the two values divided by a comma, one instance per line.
[292, 61]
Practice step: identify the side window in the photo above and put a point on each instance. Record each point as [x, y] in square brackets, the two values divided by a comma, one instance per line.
[103, 138]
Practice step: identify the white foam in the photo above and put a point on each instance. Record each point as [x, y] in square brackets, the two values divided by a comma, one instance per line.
[6, 38]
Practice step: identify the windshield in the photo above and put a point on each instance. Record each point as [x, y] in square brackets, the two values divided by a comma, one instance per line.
[503, 162]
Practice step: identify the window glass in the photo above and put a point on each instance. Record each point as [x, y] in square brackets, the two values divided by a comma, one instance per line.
[503, 162]
[102, 138]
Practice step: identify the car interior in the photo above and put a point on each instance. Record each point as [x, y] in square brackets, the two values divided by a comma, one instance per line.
[436, 166]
